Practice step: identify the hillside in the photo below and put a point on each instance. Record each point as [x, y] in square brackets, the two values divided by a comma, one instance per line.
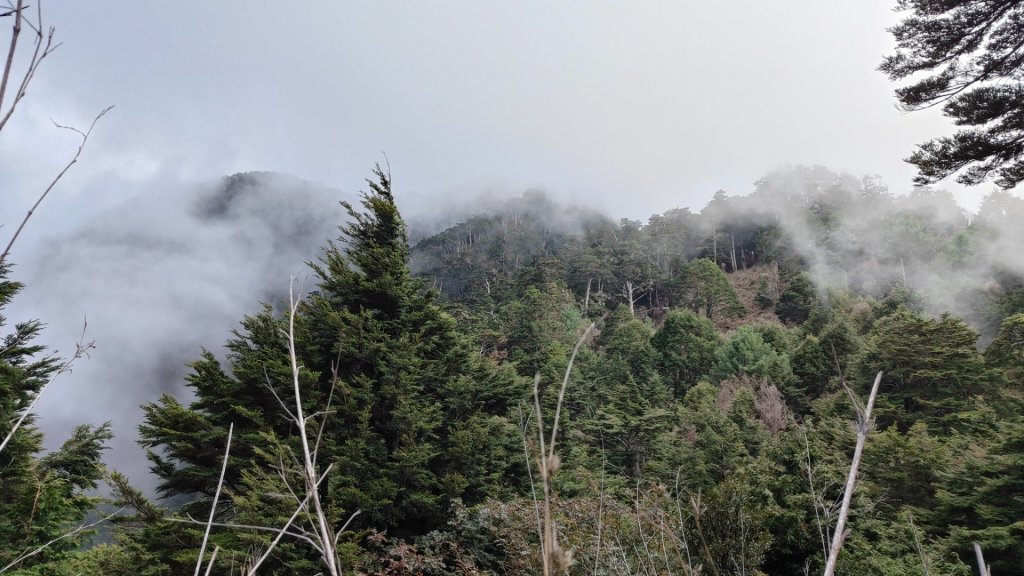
[704, 427]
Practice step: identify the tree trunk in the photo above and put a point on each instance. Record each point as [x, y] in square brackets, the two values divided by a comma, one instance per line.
[714, 243]
[732, 242]
[586, 298]
[864, 425]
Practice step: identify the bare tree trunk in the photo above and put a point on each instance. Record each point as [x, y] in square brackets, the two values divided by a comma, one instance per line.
[732, 242]
[714, 243]
[982, 568]
[864, 425]
[586, 298]
[326, 535]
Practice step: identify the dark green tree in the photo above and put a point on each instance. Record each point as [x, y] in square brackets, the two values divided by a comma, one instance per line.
[979, 498]
[417, 419]
[746, 352]
[631, 406]
[41, 496]
[1007, 348]
[797, 301]
[702, 287]
[685, 346]
[932, 369]
[763, 298]
[966, 57]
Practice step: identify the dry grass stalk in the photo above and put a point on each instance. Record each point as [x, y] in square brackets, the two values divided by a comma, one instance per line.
[554, 558]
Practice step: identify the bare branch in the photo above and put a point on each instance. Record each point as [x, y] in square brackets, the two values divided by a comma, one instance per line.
[213, 557]
[78, 530]
[81, 349]
[74, 159]
[282, 531]
[863, 427]
[216, 496]
[270, 386]
[297, 535]
[329, 553]
[345, 526]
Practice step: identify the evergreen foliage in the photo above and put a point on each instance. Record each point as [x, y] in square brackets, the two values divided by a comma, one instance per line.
[702, 287]
[42, 497]
[933, 369]
[714, 440]
[685, 346]
[417, 420]
[797, 301]
[965, 56]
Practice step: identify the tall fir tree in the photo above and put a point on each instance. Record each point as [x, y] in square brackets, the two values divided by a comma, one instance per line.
[416, 420]
[41, 496]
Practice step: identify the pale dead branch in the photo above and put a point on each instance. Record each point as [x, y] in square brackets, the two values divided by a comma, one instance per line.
[864, 425]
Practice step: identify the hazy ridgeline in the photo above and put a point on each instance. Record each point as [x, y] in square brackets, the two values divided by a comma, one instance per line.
[158, 279]
[167, 274]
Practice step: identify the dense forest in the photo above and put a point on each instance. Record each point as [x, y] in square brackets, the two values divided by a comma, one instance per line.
[817, 377]
[704, 371]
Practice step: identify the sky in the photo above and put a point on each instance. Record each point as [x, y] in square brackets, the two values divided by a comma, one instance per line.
[632, 108]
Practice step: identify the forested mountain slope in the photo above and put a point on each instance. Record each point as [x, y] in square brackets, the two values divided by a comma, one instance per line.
[387, 418]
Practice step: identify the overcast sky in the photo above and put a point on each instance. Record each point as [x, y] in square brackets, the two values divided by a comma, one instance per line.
[635, 107]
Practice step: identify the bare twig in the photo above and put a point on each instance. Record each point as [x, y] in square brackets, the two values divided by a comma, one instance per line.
[864, 425]
[920, 548]
[56, 179]
[216, 496]
[330, 555]
[824, 531]
[283, 530]
[82, 348]
[257, 528]
[43, 46]
[213, 557]
[69, 534]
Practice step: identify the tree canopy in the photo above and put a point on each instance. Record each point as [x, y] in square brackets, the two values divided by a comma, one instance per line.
[966, 56]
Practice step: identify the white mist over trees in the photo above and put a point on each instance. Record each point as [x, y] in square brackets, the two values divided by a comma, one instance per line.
[159, 278]
[710, 360]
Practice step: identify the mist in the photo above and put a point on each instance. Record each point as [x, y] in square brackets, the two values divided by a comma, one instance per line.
[855, 235]
[164, 275]
[157, 279]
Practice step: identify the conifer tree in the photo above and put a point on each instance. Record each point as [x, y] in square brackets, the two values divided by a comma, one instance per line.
[41, 497]
[416, 418]
[685, 345]
[631, 403]
[797, 301]
[932, 367]
[702, 287]
[966, 57]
